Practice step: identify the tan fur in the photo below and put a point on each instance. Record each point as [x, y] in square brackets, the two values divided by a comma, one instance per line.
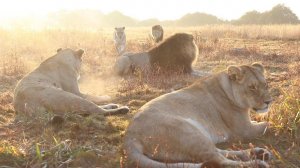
[53, 87]
[128, 63]
[176, 53]
[120, 39]
[180, 129]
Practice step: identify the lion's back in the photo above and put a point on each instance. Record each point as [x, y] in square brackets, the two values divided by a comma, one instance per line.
[28, 89]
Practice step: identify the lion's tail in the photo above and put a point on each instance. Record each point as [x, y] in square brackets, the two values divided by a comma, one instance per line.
[136, 158]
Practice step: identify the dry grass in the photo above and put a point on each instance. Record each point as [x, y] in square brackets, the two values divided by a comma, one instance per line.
[96, 141]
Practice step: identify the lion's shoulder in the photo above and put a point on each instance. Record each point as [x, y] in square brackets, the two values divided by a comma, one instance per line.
[55, 69]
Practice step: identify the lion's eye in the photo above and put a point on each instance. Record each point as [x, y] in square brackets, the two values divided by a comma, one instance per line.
[252, 87]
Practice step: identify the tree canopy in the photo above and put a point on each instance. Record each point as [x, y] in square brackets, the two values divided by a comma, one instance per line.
[279, 14]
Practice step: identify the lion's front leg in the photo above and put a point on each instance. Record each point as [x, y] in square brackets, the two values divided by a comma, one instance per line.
[97, 99]
[244, 128]
[257, 129]
[109, 106]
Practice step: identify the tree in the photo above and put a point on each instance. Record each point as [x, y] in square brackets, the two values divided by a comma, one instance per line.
[252, 17]
[197, 19]
[281, 14]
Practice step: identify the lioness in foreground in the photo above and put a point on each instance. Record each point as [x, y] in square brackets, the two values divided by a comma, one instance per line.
[180, 129]
[53, 87]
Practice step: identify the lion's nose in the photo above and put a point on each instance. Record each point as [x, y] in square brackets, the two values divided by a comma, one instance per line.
[268, 102]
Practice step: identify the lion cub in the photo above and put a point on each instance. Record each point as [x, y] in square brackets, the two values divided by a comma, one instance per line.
[180, 129]
[53, 87]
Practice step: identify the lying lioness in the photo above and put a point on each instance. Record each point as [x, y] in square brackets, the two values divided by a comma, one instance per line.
[53, 87]
[180, 129]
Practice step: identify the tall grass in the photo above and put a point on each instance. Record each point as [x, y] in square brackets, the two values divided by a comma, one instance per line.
[268, 32]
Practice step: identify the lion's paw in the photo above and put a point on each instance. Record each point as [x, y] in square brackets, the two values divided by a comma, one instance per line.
[109, 106]
[261, 164]
[261, 154]
[123, 110]
[211, 165]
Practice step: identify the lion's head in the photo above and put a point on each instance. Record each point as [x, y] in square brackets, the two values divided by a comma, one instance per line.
[70, 58]
[157, 33]
[249, 87]
[120, 31]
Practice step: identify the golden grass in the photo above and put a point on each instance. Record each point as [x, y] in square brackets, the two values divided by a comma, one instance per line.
[96, 141]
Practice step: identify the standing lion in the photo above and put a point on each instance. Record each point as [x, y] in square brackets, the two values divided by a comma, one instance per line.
[176, 53]
[120, 39]
[53, 87]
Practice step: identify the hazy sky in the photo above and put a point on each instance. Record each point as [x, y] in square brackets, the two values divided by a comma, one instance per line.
[161, 9]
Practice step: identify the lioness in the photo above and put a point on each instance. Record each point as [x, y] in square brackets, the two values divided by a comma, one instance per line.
[53, 87]
[120, 39]
[180, 129]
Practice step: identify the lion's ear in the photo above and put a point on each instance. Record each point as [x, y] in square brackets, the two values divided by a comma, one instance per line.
[116, 28]
[79, 53]
[235, 73]
[58, 50]
[123, 28]
[258, 66]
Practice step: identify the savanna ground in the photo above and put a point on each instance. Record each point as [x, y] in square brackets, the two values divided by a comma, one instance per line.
[96, 141]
